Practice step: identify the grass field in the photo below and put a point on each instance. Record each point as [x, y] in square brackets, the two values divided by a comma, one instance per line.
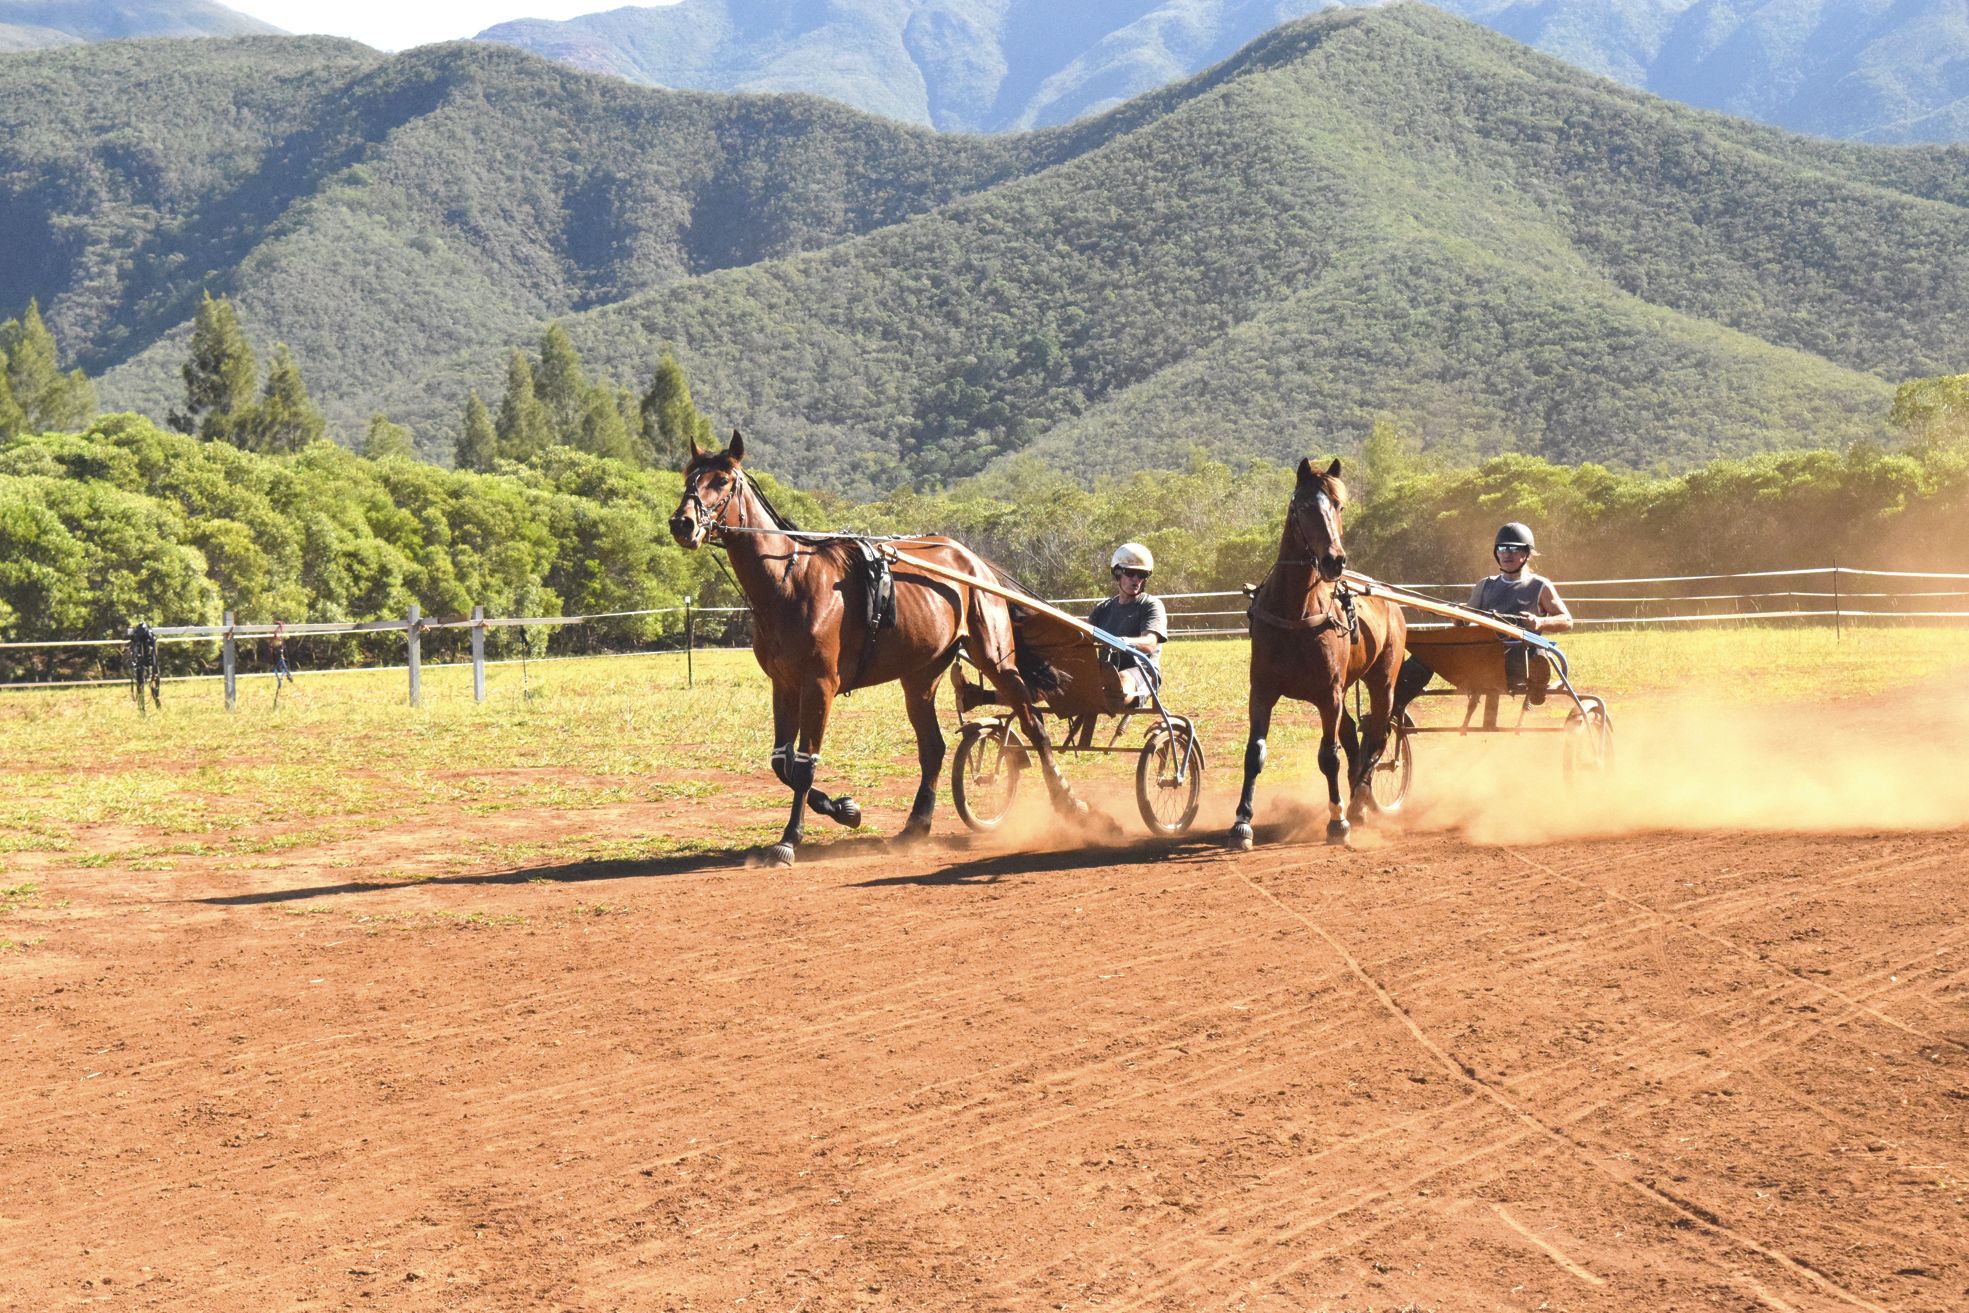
[88, 781]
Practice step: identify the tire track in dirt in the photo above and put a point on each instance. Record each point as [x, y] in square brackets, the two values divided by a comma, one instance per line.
[541, 1097]
[1656, 918]
[1694, 1214]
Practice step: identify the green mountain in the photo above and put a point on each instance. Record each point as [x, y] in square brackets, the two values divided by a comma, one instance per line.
[34, 24]
[1367, 211]
[1877, 70]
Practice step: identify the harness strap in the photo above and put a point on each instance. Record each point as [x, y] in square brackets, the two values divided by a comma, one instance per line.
[1304, 624]
[1345, 619]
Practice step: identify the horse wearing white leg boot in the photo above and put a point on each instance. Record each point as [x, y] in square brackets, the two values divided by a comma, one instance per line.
[1311, 640]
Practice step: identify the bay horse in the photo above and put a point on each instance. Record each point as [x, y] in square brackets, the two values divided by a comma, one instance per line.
[810, 632]
[1311, 642]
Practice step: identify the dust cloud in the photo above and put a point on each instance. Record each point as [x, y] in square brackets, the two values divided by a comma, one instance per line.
[1899, 762]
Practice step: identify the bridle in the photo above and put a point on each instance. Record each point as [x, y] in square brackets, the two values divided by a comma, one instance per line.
[712, 517]
[1323, 505]
[1324, 508]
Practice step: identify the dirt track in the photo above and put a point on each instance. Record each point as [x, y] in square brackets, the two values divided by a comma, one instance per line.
[1662, 1072]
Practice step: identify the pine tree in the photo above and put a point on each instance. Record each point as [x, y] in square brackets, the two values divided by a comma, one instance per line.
[603, 431]
[478, 441]
[561, 385]
[523, 427]
[49, 399]
[219, 374]
[385, 439]
[13, 419]
[670, 420]
[285, 420]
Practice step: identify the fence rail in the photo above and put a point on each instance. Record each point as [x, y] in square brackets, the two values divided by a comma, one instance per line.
[1820, 597]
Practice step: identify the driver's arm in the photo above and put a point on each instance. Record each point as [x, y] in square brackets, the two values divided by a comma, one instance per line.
[1152, 633]
[1554, 618]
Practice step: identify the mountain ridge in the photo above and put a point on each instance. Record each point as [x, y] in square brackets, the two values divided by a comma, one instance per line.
[40, 24]
[1878, 70]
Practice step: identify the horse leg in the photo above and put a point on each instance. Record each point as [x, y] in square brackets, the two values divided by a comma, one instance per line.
[786, 720]
[1350, 748]
[801, 758]
[1374, 742]
[1018, 695]
[1254, 762]
[920, 700]
[1329, 757]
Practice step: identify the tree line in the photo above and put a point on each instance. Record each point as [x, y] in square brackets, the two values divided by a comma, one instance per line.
[107, 521]
[550, 400]
[129, 521]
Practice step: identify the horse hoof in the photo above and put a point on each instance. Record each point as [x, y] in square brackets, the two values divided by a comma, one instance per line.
[1241, 837]
[913, 832]
[780, 854]
[847, 812]
[1336, 832]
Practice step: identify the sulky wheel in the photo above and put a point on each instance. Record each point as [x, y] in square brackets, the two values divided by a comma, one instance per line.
[985, 777]
[1388, 785]
[1589, 740]
[1169, 804]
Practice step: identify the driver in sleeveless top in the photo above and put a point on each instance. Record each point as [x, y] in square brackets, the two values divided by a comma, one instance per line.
[1133, 616]
[1517, 594]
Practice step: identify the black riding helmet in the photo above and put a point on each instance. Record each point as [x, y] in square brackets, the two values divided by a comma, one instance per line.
[1514, 534]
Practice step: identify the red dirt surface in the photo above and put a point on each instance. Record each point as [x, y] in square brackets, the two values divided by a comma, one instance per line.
[1649, 1073]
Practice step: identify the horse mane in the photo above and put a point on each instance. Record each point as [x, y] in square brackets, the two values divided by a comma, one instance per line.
[779, 521]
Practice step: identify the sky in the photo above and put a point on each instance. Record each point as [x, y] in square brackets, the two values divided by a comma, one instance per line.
[401, 24]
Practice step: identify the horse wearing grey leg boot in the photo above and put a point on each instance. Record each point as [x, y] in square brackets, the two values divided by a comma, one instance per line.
[1311, 640]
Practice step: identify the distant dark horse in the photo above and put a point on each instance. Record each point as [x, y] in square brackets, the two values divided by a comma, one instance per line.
[1310, 643]
[811, 634]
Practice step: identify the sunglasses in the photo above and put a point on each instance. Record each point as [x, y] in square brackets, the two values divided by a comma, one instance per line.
[1132, 574]
[1515, 549]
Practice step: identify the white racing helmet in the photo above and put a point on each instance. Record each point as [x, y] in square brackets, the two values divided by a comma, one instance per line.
[1132, 556]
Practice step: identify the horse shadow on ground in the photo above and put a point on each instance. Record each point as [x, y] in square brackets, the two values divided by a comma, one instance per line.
[970, 868]
[582, 872]
[989, 868]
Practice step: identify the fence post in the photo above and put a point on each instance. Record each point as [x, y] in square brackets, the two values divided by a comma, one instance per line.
[690, 644]
[413, 629]
[1838, 628]
[478, 654]
[229, 663]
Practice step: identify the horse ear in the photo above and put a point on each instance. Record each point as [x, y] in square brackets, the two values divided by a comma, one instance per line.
[737, 449]
[697, 452]
[1333, 470]
[1306, 474]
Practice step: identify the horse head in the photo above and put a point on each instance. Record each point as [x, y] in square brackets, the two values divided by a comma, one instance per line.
[1315, 516]
[712, 482]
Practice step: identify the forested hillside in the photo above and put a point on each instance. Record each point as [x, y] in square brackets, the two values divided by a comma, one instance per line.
[1364, 212]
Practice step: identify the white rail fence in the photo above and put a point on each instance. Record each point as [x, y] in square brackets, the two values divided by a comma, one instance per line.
[1834, 595]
